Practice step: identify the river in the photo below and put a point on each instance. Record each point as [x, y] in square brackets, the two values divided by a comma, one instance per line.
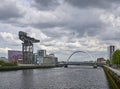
[73, 77]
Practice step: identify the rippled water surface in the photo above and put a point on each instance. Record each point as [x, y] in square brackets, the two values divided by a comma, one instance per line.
[73, 77]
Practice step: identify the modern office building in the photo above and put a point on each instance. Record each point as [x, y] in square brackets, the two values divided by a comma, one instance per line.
[40, 56]
[111, 50]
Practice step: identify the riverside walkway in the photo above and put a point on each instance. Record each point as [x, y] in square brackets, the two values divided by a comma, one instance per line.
[116, 71]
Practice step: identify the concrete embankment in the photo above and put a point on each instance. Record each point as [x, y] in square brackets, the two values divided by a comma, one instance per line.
[9, 68]
[113, 76]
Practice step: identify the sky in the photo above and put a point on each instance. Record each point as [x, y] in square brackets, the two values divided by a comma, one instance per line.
[62, 26]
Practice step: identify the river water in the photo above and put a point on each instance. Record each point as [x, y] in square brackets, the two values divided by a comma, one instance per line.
[73, 77]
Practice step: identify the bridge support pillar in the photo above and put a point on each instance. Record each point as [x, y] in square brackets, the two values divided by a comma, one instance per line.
[65, 66]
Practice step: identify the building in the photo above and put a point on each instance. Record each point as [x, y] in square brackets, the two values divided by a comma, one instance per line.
[111, 50]
[40, 56]
[101, 60]
[14, 56]
[35, 58]
[50, 60]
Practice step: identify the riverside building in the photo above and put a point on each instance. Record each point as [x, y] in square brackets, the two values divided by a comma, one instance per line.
[111, 50]
[40, 56]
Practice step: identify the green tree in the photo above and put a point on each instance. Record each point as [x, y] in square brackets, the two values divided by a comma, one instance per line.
[108, 62]
[116, 57]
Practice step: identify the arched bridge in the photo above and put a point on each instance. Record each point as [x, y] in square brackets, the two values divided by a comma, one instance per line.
[79, 52]
[79, 63]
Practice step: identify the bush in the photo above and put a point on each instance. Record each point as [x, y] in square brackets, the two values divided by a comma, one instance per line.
[108, 62]
[3, 63]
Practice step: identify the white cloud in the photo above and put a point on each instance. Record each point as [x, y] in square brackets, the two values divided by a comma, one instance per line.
[9, 38]
[4, 50]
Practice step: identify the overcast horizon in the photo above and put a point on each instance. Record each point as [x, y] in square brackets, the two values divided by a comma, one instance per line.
[62, 26]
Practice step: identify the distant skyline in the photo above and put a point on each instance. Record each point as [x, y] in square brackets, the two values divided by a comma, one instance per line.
[62, 26]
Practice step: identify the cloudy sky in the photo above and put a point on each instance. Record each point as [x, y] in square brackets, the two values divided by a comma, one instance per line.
[62, 26]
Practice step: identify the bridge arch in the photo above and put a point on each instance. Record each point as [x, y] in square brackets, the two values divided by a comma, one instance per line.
[79, 52]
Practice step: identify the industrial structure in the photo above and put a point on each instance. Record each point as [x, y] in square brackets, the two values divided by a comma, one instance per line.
[27, 47]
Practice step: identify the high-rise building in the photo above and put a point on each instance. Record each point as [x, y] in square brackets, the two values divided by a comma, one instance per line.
[111, 50]
[40, 55]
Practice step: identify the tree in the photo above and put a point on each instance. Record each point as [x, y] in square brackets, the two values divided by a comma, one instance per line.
[116, 57]
[108, 62]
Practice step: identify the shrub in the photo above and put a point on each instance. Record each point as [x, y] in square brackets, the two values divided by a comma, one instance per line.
[3, 63]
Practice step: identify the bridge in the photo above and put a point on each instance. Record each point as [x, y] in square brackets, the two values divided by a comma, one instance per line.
[80, 63]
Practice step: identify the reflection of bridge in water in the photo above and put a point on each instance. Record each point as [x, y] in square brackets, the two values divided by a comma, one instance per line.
[79, 63]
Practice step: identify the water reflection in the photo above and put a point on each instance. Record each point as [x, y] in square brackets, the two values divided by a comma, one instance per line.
[27, 78]
[73, 77]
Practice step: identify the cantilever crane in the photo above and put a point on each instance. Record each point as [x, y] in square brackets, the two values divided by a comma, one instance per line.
[27, 47]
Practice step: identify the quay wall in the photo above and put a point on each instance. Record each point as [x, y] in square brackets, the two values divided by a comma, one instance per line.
[10, 68]
[113, 76]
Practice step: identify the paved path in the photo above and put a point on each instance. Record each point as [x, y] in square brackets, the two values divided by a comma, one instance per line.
[114, 70]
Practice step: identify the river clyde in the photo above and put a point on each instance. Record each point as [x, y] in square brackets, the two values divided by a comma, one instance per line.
[73, 77]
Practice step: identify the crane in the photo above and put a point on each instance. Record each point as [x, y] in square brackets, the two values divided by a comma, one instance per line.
[27, 47]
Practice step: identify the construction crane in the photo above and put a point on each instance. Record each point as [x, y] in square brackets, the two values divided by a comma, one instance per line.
[27, 47]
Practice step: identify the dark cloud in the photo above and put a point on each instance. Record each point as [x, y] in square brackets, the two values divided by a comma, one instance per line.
[91, 27]
[93, 3]
[46, 4]
[8, 10]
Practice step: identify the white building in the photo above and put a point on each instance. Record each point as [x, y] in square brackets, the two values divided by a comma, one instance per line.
[50, 60]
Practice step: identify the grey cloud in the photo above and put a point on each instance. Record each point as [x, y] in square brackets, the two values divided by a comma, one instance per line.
[48, 25]
[46, 4]
[110, 36]
[93, 3]
[9, 10]
[77, 29]
[87, 29]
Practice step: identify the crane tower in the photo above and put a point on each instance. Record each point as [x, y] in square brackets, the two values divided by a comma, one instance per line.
[27, 47]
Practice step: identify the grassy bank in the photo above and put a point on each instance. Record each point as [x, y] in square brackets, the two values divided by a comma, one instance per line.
[110, 78]
[9, 68]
